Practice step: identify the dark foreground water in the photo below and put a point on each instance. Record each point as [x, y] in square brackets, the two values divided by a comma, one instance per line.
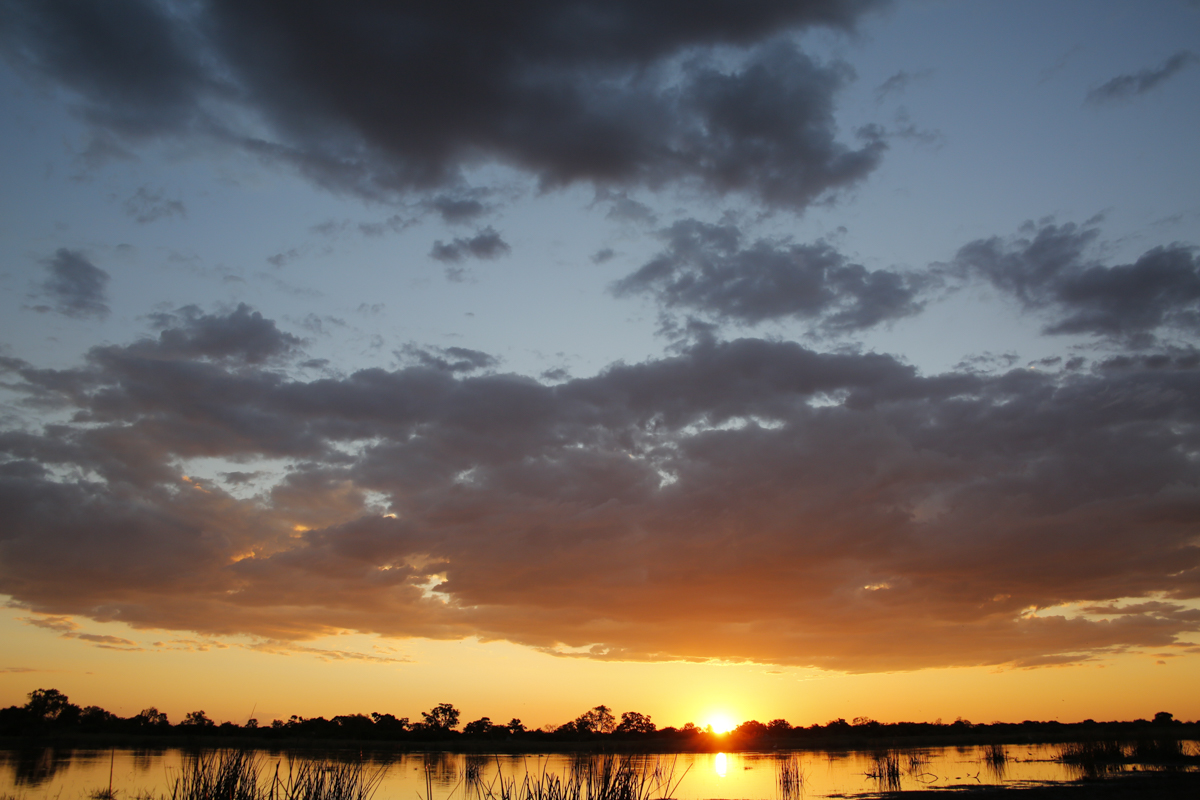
[78, 774]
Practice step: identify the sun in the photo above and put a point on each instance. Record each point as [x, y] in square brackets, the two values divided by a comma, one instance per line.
[721, 722]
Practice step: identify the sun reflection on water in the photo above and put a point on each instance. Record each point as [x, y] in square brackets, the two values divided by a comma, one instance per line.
[721, 765]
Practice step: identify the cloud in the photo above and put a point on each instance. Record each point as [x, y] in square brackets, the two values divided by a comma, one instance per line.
[736, 500]
[76, 286]
[52, 623]
[459, 207]
[623, 208]
[449, 359]
[383, 101]
[242, 335]
[278, 647]
[1124, 87]
[899, 83]
[487, 244]
[1048, 268]
[709, 269]
[69, 629]
[145, 206]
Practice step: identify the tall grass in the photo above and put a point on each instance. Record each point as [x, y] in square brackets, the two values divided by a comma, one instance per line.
[885, 768]
[326, 780]
[234, 775]
[789, 778]
[589, 778]
[227, 775]
[1094, 757]
[995, 757]
[1165, 749]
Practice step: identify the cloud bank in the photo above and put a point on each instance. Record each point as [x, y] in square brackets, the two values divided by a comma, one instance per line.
[740, 499]
[708, 269]
[382, 99]
[1048, 268]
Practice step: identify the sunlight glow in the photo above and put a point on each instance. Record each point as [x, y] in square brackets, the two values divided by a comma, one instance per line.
[721, 723]
[721, 765]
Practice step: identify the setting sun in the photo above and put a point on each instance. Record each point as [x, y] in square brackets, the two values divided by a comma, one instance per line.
[721, 723]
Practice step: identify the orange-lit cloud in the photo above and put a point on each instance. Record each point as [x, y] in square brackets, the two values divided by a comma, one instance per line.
[740, 500]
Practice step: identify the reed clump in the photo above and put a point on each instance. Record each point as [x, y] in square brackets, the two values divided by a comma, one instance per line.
[603, 778]
[885, 768]
[225, 775]
[1093, 757]
[325, 780]
[1161, 749]
[789, 778]
[235, 775]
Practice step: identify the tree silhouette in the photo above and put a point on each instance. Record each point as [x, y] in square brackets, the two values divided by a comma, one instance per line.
[197, 719]
[599, 720]
[52, 706]
[633, 722]
[442, 717]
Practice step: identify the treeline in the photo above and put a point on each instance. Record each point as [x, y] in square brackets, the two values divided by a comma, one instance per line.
[50, 713]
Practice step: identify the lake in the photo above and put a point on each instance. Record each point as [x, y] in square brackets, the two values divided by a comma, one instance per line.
[75, 774]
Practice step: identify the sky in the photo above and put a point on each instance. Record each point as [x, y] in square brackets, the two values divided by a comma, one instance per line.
[763, 360]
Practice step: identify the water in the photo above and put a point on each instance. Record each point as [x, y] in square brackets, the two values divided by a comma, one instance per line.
[76, 774]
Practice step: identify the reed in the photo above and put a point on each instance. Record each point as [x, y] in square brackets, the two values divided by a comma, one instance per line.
[226, 775]
[1099, 751]
[789, 778]
[918, 763]
[885, 768]
[589, 778]
[234, 775]
[1162, 749]
[326, 780]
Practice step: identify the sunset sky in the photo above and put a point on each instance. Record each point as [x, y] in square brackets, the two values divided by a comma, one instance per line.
[760, 359]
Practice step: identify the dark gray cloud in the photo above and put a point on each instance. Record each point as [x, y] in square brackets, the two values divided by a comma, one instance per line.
[76, 287]
[1049, 268]
[460, 207]
[381, 100]
[744, 499]
[623, 208]
[710, 269]
[241, 336]
[1123, 87]
[146, 205]
[486, 244]
[899, 83]
[449, 359]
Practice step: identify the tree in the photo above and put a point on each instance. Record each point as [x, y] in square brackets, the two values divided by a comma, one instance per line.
[777, 727]
[442, 717]
[750, 727]
[599, 720]
[95, 717]
[480, 726]
[633, 722]
[152, 717]
[388, 722]
[51, 706]
[197, 719]
[515, 726]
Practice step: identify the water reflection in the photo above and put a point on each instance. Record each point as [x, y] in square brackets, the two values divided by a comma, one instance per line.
[36, 766]
[995, 758]
[65, 774]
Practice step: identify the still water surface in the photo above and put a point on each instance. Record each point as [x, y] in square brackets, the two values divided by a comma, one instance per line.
[62, 774]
